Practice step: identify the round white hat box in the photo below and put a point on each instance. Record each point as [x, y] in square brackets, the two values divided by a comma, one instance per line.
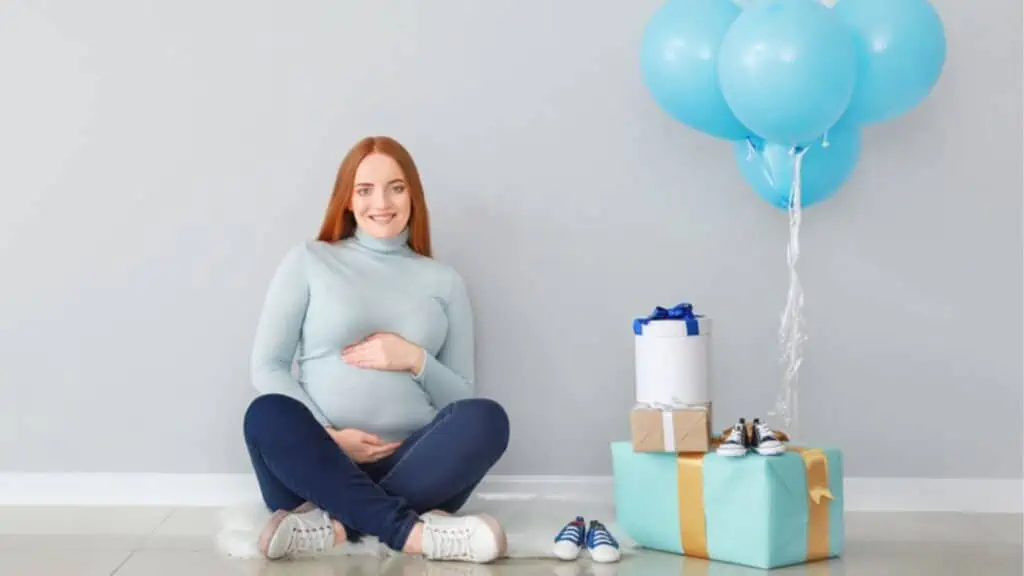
[672, 366]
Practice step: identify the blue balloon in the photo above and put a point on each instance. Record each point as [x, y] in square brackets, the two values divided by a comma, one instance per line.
[788, 69]
[770, 167]
[679, 63]
[901, 50]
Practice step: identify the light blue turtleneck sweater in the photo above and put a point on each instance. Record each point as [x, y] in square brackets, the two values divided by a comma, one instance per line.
[326, 296]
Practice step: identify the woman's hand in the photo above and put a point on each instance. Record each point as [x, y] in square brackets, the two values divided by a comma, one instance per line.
[385, 351]
[362, 447]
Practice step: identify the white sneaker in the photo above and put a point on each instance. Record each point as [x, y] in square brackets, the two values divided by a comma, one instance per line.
[306, 530]
[737, 443]
[429, 513]
[571, 539]
[765, 441]
[476, 538]
[603, 547]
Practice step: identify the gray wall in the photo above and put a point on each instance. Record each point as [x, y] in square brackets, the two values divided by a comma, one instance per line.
[157, 161]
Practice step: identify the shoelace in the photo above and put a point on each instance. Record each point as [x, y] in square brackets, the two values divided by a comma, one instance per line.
[452, 543]
[310, 536]
[735, 436]
[765, 433]
[573, 531]
[600, 535]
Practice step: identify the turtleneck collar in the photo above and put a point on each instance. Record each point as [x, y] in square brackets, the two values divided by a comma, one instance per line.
[399, 243]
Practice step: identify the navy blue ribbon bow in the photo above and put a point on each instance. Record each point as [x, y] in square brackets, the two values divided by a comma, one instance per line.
[682, 311]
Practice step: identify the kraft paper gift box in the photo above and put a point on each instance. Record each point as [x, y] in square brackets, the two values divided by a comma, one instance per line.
[759, 511]
[670, 429]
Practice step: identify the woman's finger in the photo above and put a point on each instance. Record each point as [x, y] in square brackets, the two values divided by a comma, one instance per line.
[372, 439]
[385, 448]
[356, 356]
[362, 344]
[383, 453]
[371, 360]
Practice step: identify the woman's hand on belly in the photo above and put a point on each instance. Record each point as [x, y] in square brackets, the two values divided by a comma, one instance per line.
[362, 447]
[385, 351]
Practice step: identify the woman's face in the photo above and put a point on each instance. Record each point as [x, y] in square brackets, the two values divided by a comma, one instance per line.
[380, 197]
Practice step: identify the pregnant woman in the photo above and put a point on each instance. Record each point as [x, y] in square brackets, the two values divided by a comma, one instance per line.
[379, 433]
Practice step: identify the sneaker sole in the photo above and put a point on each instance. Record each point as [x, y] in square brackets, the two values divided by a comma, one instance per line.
[771, 451]
[732, 452]
[499, 532]
[273, 524]
[564, 553]
[605, 555]
[269, 530]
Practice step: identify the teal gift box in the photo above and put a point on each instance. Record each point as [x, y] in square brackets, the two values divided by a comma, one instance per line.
[760, 511]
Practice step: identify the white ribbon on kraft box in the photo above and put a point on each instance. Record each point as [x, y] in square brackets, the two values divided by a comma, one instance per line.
[672, 357]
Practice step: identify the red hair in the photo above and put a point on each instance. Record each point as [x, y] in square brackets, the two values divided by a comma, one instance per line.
[339, 222]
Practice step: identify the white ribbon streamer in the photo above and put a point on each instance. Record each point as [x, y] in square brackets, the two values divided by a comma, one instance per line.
[668, 430]
[791, 329]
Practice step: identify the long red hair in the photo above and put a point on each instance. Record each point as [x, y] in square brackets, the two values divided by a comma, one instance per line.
[339, 222]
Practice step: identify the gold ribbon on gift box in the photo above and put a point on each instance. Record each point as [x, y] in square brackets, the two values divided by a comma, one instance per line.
[690, 485]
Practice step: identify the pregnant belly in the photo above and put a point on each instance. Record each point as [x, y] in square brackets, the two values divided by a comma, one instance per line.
[387, 403]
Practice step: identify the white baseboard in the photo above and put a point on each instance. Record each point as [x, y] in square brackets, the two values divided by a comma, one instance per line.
[126, 489]
[861, 494]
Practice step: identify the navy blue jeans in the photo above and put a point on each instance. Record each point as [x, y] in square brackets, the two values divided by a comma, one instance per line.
[437, 467]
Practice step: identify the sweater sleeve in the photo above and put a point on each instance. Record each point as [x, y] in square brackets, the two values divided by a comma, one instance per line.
[278, 331]
[449, 376]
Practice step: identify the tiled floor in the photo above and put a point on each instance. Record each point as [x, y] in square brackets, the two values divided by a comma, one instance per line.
[180, 542]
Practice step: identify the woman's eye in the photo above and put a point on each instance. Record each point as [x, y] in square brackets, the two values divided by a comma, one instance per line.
[363, 191]
[398, 188]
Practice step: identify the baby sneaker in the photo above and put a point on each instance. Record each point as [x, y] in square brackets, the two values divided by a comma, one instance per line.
[737, 443]
[765, 441]
[603, 547]
[570, 539]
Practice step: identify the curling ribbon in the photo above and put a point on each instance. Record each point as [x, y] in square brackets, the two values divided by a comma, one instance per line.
[791, 335]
